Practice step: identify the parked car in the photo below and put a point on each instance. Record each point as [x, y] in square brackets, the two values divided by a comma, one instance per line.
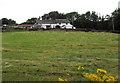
[30, 28]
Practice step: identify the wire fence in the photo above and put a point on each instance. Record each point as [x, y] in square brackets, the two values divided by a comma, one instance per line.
[59, 59]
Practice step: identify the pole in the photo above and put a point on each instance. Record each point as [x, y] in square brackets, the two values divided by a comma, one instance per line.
[113, 23]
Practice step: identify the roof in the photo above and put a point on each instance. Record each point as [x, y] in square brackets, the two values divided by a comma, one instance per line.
[62, 21]
[25, 25]
[53, 21]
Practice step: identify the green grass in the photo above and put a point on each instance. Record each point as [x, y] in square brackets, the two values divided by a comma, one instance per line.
[42, 46]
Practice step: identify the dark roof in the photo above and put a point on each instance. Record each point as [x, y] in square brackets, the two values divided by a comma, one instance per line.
[52, 21]
[46, 21]
[62, 21]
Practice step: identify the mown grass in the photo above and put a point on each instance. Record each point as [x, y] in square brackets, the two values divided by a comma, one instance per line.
[43, 46]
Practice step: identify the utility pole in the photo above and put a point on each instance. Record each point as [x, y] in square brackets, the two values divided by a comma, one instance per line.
[0, 22]
[119, 4]
[113, 23]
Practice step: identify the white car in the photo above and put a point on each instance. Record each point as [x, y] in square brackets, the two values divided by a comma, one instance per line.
[68, 27]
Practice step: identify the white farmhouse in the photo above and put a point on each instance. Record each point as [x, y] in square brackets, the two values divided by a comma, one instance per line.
[47, 24]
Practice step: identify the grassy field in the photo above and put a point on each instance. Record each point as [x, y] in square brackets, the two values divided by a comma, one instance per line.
[33, 56]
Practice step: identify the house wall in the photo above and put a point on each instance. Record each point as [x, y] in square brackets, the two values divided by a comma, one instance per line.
[53, 25]
[45, 25]
[62, 25]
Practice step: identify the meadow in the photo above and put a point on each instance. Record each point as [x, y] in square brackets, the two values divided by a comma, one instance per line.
[48, 55]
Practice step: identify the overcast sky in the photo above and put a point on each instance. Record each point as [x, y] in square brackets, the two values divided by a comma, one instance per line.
[21, 10]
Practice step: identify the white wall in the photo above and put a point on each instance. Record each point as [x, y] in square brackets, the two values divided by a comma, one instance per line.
[67, 26]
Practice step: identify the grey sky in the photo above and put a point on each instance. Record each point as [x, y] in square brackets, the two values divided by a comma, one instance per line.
[21, 10]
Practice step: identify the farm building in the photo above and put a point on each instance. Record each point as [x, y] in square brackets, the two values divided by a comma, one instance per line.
[25, 26]
[57, 23]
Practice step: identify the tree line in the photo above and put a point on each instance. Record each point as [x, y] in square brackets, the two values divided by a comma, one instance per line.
[8, 21]
[88, 20]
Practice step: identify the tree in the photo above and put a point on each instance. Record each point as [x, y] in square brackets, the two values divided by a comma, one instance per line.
[72, 16]
[45, 16]
[4, 21]
[88, 15]
[53, 15]
[11, 22]
[80, 22]
[8, 21]
[116, 19]
[30, 21]
[87, 20]
[94, 19]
